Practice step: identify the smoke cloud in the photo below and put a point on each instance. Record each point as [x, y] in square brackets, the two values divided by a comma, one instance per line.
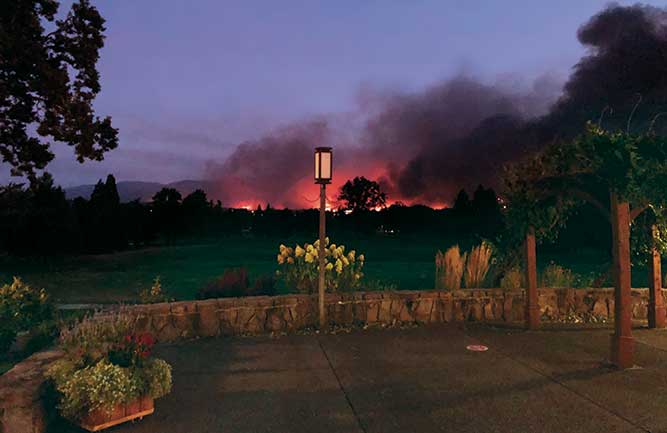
[453, 135]
[423, 147]
[626, 66]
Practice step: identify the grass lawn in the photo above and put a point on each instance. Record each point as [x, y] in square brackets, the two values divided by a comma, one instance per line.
[183, 269]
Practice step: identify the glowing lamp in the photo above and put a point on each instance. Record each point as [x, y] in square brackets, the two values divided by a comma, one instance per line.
[323, 165]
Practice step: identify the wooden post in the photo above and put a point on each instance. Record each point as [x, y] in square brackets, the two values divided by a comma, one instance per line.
[320, 285]
[656, 304]
[622, 342]
[532, 305]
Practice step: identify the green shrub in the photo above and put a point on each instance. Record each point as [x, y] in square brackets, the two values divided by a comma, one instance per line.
[512, 279]
[41, 336]
[264, 285]
[155, 378]
[449, 269]
[378, 286]
[477, 265]
[21, 309]
[154, 294]
[586, 280]
[556, 276]
[298, 267]
[7, 337]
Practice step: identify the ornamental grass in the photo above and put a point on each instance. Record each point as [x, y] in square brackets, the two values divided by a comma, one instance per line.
[477, 265]
[449, 268]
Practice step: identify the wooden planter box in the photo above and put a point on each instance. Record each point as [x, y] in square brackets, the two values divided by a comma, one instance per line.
[101, 419]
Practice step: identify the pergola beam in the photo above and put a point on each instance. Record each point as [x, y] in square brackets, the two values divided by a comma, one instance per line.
[532, 305]
[634, 213]
[656, 304]
[622, 342]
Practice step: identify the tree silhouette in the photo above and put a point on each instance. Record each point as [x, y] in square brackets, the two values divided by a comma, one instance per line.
[137, 225]
[35, 220]
[195, 209]
[361, 194]
[168, 212]
[49, 82]
[196, 202]
[105, 223]
[462, 203]
[486, 211]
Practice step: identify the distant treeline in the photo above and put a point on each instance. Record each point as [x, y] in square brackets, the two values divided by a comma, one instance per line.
[39, 220]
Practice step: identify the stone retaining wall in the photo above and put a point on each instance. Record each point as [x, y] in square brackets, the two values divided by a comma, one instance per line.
[284, 314]
[21, 407]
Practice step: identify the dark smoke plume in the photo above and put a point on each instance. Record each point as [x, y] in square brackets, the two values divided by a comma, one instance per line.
[460, 132]
[268, 169]
[626, 66]
[451, 136]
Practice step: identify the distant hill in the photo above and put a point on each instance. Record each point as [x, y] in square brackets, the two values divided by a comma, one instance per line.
[144, 191]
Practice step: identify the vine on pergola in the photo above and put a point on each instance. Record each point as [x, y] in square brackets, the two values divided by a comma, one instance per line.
[543, 189]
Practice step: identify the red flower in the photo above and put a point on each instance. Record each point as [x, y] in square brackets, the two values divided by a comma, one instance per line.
[146, 339]
[136, 347]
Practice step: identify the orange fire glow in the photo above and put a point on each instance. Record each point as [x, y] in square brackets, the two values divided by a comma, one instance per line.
[305, 194]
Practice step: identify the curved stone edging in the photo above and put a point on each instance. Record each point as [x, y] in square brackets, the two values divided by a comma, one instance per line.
[21, 393]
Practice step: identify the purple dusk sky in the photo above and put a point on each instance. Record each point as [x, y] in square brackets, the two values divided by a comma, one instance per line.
[186, 80]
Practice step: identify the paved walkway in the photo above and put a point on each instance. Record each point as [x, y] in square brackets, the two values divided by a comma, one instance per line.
[413, 380]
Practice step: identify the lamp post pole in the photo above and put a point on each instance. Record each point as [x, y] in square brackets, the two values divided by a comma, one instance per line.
[323, 174]
[320, 255]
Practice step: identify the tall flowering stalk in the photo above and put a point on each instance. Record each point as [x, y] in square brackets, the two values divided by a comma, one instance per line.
[299, 267]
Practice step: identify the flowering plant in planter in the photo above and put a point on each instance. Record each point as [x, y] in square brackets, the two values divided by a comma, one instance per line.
[108, 374]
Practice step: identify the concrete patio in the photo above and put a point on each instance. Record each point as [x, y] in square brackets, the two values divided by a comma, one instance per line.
[412, 380]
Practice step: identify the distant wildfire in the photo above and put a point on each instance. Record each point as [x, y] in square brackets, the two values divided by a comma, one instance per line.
[423, 147]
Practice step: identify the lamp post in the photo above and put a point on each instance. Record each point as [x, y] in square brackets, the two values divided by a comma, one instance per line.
[323, 172]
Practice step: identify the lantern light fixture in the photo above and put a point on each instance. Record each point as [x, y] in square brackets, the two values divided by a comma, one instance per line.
[323, 165]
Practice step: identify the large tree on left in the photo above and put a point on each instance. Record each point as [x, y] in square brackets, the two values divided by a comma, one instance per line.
[48, 82]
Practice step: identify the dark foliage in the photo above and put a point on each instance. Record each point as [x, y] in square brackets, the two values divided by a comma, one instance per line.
[102, 226]
[168, 212]
[235, 283]
[232, 283]
[41, 336]
[38, 220]
[48, 82]
[264, 285]
[361, 194]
